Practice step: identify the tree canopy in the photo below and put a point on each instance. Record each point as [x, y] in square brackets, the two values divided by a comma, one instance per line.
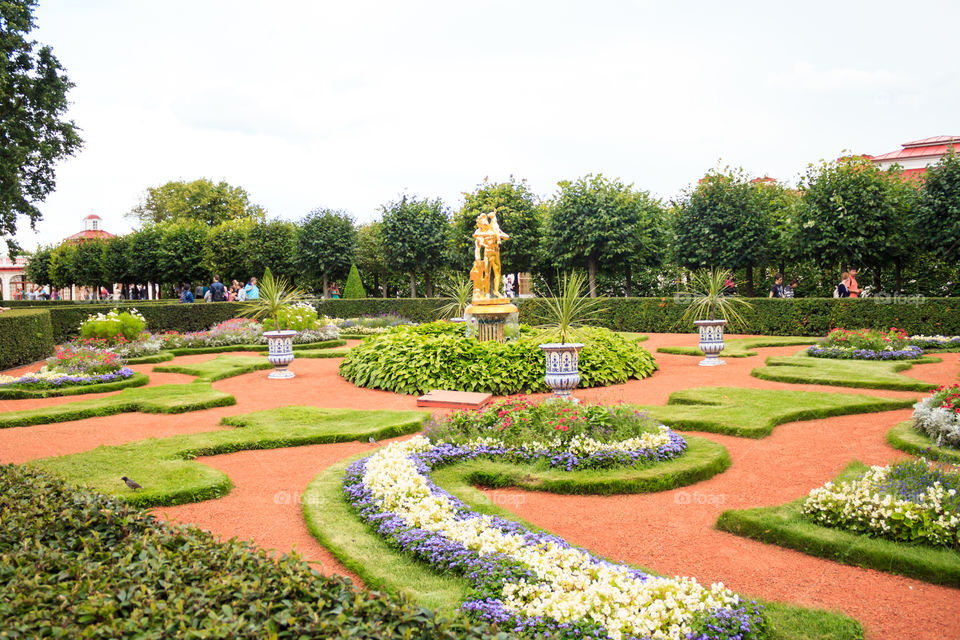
[34, 134]
[201, 200]
[938, 219]
[325, 245]
[414, 237]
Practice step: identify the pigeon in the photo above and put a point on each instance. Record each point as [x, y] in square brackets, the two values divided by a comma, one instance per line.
[130, 483]
[372, 440]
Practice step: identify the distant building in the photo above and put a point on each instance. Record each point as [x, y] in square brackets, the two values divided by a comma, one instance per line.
[92, 230]
[915, 157]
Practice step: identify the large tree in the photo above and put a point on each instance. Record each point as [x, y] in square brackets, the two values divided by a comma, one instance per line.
[224, 253]
[272, 245]
[414, 238]
[938, 216]
[518, 214]
[371, 257]
[34, 134]
[62, 261]
[88, 265]
[725, 221]
[326, 240]
[855, 214]
[38, 269]
[180, 252]
[143, 254]
[593, 223]
[201, 200]
[116, 260]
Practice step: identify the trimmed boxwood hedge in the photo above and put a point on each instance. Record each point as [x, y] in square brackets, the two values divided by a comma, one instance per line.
[80, 564]
[169, 316]
[26, 335]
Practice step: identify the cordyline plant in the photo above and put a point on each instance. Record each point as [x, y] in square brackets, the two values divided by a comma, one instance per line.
[572, 308]
[707, 299]
[275, 294]
[457, 293]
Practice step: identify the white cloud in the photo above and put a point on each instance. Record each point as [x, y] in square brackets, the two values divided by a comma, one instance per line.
[805, 77]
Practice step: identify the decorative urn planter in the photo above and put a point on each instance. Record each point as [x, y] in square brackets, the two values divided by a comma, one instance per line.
[280, 353]
[563, 368]
[711, 341]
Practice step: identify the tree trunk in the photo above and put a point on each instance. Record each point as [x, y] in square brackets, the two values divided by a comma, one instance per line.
[876, 281]
[898, 274]
[592, 274]
[385, 286]
[413, 285]
[749, 280]
[326, 291]
[428, 285]
[628, 286]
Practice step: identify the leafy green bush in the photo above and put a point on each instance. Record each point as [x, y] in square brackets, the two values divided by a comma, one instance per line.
[439, 356]
[293, 317]
[27, 336]
[354, 288]
[81, 564]
[160, 316]
[115, 325]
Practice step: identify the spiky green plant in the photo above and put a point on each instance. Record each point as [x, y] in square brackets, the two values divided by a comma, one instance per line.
[706, 299]
[572, 308]
[458, 292]
[275, 293]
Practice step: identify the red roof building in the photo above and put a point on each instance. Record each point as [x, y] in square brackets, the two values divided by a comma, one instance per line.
[91, 230]
[916, 156]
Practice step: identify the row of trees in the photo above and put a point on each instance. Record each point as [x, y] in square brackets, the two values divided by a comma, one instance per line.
[844, 213]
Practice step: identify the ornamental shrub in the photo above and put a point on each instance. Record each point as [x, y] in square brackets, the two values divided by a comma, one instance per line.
[293, 317]
[82, 564]
[893, 339]
[84, 360]
[938, 416]
[438, 355]
[114, 326]
[26, 335]
[354, 287]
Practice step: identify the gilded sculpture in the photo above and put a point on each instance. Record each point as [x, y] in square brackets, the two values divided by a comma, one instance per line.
[486, 272]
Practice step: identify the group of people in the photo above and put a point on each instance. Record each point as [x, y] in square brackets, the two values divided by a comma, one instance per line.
[216, 291]
[848, 287]
[780, 290]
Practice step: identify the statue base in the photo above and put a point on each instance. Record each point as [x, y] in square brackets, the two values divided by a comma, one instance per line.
[490, 317]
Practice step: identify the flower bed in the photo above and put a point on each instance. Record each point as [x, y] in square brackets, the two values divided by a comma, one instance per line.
[933, 343]
[910, 502]
[369, 324]
[533, 582]
[45, 379]
[559, 434]
[866, 344]
[938, 416]
[241, 331]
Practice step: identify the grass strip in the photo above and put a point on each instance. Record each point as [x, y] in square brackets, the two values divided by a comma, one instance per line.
[753, 413]
[168, 398]
[331, 520]
[16, 393]
[786, 526]
[165, 466]
[866, 374]
[219, 368]
[906, 438]
[743, 347]
[162, 356]
[703, 459]
[633, 335]
[186, 351]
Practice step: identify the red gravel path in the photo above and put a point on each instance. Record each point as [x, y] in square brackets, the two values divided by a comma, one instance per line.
[669, 532]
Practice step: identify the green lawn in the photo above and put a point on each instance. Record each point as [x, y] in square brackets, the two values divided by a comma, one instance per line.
[786, 526]
[742, 347]
[186, 351]
[866, 374]
[322, 353]
[14, 393]
[169, 476]
[331, 520]
[636, 337]
[753, 413]
[168, 398]
[906, 438]
[219, 368]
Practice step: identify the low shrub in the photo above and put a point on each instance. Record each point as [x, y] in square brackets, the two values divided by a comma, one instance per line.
[27, 336]
[233, 331]
[439, 356]
[293, 317]
[935, 343]
[114, 325]
[81, 564]
[938, 416]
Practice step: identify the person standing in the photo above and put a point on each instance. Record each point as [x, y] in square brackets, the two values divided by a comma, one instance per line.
[852, 285]
[218, 293]
[843, 289]
[791, 291]
[776, 291]
[186, 296]
[252, 290]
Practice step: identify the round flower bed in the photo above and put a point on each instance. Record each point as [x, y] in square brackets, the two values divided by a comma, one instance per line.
[866, 344]
[938, 416]
[557, 434]
[438, 355]
[910, 501]
[528, 581]
[933, 343]
[46, 379]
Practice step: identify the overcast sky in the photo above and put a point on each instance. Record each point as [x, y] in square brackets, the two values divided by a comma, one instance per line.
[349, 104]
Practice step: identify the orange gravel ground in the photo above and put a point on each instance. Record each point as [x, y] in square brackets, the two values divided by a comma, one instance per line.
[670, 532]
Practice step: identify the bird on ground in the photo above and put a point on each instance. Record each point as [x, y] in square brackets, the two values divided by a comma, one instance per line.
[131, 483]
[372, 440]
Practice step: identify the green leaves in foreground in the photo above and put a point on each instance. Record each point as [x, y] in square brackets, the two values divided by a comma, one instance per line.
[165, 468]
[168, 398]
[78, 564]
[866, 374]
[219, 368]
[753, 413]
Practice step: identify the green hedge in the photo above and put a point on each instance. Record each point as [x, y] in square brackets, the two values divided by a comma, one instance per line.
[169, 316]
[799, 316]
[81, 564]
[27, 336]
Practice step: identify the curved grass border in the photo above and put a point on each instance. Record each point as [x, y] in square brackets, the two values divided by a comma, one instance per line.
[794, 369]
[187, 351]
[703, 459]
[904, 437]
[741, 347]
[322, 353]
[218, 368]
[13, 393]
[333, 523]
[161, 356]
[169, 475]
[785, 526]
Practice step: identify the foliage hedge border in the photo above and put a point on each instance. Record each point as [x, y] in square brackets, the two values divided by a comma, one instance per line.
[904, 437]
[186, 351]
[27, 337]
[13, 393]
[786, 527]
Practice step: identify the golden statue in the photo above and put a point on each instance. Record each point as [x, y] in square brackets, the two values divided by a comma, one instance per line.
[486, 274]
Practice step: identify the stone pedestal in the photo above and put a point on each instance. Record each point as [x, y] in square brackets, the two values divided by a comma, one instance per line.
[490, 318]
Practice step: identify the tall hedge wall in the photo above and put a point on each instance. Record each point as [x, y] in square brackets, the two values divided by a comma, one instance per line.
[172, 316]
[26, 336]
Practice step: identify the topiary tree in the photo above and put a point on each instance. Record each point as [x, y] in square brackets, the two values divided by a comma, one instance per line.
[224, 251]
[180, 253]
[272, 245]
[938, 216]
[414, 238]
[354, 287]
[38, 269]
[371, 255]
[143, 254]
[326, 240]
[62, 259]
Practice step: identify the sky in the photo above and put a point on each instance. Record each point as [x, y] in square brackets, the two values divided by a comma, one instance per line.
[349, 105]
